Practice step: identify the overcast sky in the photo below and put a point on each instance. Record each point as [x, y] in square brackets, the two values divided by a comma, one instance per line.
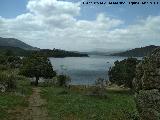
[71, 25]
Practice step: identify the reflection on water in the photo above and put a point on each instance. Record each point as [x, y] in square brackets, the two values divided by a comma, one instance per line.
[84, 70]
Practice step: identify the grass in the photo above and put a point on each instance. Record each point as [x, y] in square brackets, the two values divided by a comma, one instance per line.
[9, 101]
[73, 105]
[14, 100]
[23, 86]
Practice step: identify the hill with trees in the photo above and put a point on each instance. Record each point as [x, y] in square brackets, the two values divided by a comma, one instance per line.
[15, 51]
[137, 52]
[61, 53]
[18, 48]
[12, 42]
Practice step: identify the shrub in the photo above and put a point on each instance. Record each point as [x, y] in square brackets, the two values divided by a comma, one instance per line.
[3, 67]
[10, 62]
[123, 72]
[14, 61]
[63, 80]
[99, 88]
[8, 80]
[3, 59]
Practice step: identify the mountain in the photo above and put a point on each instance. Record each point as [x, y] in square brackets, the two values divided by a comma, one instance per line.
[12, 42]
[57, 53]
[61, 53]
[14, 51]
[137, 52]
[101, 53]
[16, 47]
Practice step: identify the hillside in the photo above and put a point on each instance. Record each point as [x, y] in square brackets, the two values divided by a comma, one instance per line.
[47, 52]
[12, 42]
[61, 53]
[137, 52]
[14, 51]
[19, 48]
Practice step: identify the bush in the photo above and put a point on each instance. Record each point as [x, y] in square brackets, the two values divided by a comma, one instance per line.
[3, 59]
[99, 88]
[3, 67]
[63, 80]
[8, 81]
[10, 62]
[123, 72]
[23, 86]
[14, 61]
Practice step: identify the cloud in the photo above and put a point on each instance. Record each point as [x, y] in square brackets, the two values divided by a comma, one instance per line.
[53, 7]
[53, 23]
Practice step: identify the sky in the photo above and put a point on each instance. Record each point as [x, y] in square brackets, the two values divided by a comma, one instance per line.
[72, 25]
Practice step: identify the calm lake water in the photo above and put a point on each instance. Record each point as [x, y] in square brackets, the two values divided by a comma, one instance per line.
[84, 70]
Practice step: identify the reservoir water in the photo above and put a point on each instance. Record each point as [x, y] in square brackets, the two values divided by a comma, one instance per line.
[84, 70]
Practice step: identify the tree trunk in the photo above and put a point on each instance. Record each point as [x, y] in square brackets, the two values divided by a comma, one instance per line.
[36, 83]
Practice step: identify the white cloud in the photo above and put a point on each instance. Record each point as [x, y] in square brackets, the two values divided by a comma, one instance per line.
[54, 7]
[52, 23]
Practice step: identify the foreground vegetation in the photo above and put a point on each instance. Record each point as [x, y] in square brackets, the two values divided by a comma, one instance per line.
[66, 104]
[13, 102]
[14, 89]
[123, 72]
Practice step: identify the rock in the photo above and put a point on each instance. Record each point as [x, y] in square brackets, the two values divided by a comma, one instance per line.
[147, 87]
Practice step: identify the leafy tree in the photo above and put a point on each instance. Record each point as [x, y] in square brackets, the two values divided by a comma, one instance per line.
[123, 72]
[37, 66]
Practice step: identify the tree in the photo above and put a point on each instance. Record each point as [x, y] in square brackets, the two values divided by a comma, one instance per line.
[123, 72]
[37, 66]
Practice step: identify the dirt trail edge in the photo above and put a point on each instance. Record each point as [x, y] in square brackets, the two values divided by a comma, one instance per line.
[36, 109]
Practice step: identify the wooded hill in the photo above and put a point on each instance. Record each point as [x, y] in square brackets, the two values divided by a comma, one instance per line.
[18, 48]
[137, 52]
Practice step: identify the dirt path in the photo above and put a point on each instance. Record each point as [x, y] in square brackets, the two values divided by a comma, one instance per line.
[36, 109]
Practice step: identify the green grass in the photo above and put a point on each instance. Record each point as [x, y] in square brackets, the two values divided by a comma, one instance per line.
[23, 86]
[9, 101]
[12, 100]
[77, 106]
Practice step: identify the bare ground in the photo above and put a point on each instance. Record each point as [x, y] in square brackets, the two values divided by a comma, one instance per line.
[36, 109]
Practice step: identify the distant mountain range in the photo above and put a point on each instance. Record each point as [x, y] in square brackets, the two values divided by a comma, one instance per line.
[102, 53]
[22, 49]
[137, 52]
[12, 42]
